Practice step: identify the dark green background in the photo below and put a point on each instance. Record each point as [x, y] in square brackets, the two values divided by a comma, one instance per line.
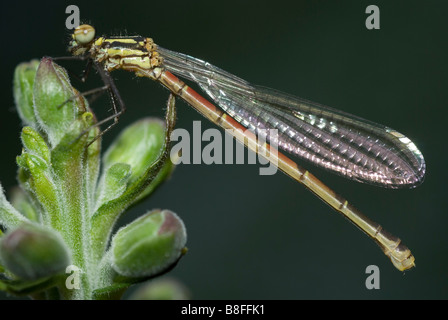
[258, 237]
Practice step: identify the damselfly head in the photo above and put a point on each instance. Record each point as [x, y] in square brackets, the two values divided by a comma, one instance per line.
[82, 39]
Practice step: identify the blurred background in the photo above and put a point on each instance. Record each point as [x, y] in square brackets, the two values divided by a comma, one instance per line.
[267, 237]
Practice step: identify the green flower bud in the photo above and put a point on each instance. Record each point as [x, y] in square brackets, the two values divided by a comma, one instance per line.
[23, 90]
[32, 252]
[162, 289]
[149, 245]
[138, 145]
[52, 90]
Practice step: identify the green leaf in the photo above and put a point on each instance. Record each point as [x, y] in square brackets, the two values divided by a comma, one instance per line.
[113, 292]
[40, 183]
[35, 144]
[25, 287]
[9, 216]
[22, 202]
[114, 182]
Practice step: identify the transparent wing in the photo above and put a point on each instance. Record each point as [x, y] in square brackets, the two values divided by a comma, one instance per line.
[339, 142]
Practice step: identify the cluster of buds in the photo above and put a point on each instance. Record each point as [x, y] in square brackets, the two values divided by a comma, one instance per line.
[62, 215]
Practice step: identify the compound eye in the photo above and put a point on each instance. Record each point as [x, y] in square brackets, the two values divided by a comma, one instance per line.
[84, 34]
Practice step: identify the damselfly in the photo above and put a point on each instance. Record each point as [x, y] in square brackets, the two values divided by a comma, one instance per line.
[339, 142]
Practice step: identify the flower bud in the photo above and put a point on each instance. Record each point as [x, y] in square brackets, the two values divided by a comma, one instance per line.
[162, 289]
[23, 90]
[149, 245]
[52, 91]
[32, 252]
[138, 145]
